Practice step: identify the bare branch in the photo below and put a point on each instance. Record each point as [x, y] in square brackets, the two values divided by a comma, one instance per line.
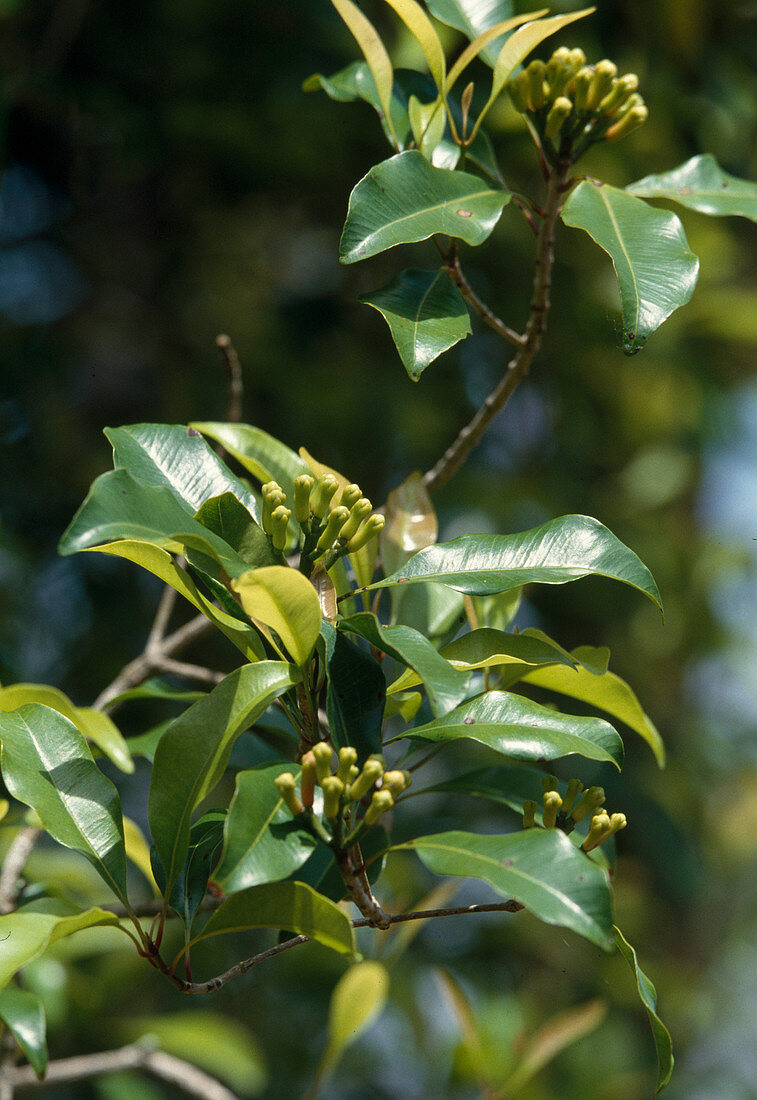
[13, 866]
[235, 382]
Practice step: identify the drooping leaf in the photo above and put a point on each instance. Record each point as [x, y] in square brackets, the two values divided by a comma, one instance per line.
[444, 684]
[540, 868]
[562, 550]
[47, 765]
[24, 1015]
[356, 694]
[29, 931]
[426, 315]
[655, 267]
[517, 727]
[648, 996]
[373, 49]
[406, 199]
[607, 692]
[193, 752]
[284, 600]
[262, 842]
[552, 1038]
[701, 184]
[422, 29]
[289, 905]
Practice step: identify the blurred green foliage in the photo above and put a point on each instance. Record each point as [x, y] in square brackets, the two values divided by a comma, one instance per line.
[165, 179]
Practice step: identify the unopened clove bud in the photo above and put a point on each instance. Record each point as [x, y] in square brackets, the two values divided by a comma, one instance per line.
[334, 524]
[286, 787]
[575, 786]
[359, 512]
[587, 803]
[630, 121]
[396, 782]
[351, 494]
[552, 804]
[365, 533]
[320, 498]
[605, 73]
[333, 789]
[600, 823]
[303, 486]
[535, 73]
[279, 524]
[529, 813]
[560, 110]
[308, 778]
[619, 93]
[518, 89]
[372, 771]
[379, 804]
[322, 753]
[347, 760]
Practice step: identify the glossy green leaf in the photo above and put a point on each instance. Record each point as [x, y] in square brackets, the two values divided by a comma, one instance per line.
[426, 315]
[517, 727]
[356, 693]
[445, 685]
[284, 600]
[540, 868]
[293, 906]
[562, 550]
[607, 692]
[47, 765]
[427, 122]
[373, 50]
[93, 724]
[228, 518]
[648, 996]
[406, 199]
[24, 1015]
[701, 184]
[188, 891]
[510, 786]
[422, 29]
[498, 611]
[484, 43]
[520, 44]
[473, 17]
[263, 842]
[28, 932]
[655, 267]
[193, 752]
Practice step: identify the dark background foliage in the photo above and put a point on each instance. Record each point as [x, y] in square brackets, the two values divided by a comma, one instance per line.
[165, 179]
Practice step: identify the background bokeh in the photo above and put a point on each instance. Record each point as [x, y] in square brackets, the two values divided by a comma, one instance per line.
[164, 179]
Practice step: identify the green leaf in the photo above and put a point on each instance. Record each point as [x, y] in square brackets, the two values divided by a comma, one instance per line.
[24, 1015]
[473, 17]
[358, 998]
[422, 29]
[283, 599]
[228, 518]
[266, 458]
[205, 839]
[47, 765]
[560, 551]
[655, 267]
[263, 842]
[289, 905]
[648, 996]
[426, 315]
[406, 199]
[445, 686]
[552, 1038]
[93, 724]
[193, 752]
[482, 45]
[701, 184]
[26, 933]
[607, 692]
[517, 727]
[520, 44]
[356, 694]
[375, 54]
[510, 786]
[540, 868]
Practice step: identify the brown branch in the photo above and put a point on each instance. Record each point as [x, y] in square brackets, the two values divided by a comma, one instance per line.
[519, 365]
[235, 382]
[13, 866]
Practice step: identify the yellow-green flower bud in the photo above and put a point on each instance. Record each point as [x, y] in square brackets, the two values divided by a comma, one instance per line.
[619, 93]
[320, 498]
[273, 498]
[575, 786]
[380, 803]
[322, 753]
[395, 781]
[351, 494]
[605, 73]
[365, 533]
[630, 121]
[347, 760]
[279, 523]
[372, 771]
[303, 486]
[552, 804]
[285, 786]
[577, 59]
[334, 524]
[600, 823]
[308, 778]
[535, 73]
[617, 822]
[561, 108]
[559, 83]
[518, 89]
[587, 803]
[549, 783]
[333, 789]
[359, 512]
[560, 57]
[581, 87]
[529, 813]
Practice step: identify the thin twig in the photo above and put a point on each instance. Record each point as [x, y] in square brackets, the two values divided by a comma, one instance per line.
[490, 318]
[519, 365]
[235, 381]
[13, 866]
[162, 618]
[188, 671]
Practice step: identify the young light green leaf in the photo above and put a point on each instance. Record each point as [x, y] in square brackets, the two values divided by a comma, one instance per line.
[422, 29]
[484, 44]
[290, 905]
[551, 1039]
[406, 199]
[28, 932]
[445, 685]
[426, 315]
[560, 551]
[520, 44]
[24, 1015]
[648, 996]
[266, 458]
[193, 752]
[427, 122]
[262, 841]
[358, 998]
[138, 851]
[517, 727]
[607, 692]
[284, 600]
[540, 868]
[47, 765]
[701, 184]
[656, 269]
[374, 52]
